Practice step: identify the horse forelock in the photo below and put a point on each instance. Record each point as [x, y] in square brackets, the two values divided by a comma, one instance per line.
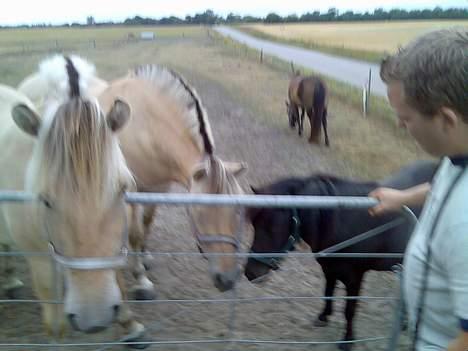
[77, 158]
[222, 181]
[175, 86]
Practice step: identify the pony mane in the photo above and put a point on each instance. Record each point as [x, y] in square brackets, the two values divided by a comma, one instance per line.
[54, 73]
[175, 86]
[77, 157]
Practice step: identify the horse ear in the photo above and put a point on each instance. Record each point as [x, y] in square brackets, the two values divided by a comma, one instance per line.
[236, 168]
[119, 115]
[26, 119]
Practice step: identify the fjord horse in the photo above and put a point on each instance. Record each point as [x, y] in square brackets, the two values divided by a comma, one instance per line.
[69, 157]
[169, 140]
[277, 230]
[309, 94]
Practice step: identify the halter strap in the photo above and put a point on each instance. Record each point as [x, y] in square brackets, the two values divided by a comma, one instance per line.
[215, 237]
[93, 263]
[294, 237]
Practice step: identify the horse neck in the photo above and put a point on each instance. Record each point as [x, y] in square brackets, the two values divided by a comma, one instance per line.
[315, 230]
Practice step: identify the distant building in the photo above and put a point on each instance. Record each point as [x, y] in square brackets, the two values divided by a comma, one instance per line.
[147, 36]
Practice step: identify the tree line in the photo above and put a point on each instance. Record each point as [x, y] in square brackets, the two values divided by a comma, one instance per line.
[208, 17]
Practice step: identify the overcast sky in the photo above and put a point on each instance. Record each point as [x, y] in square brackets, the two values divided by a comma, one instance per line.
[67, 11]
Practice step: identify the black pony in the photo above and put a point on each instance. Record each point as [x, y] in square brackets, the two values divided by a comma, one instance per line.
[277, 230]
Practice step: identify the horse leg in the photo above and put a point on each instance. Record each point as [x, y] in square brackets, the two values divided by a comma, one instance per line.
[12, 285]
[48, 285]
[144, 288]
[301, 121]
[325, 126]
[315, 126]
[322, 319]
[353, 286]
[149, 213]
[135, 331]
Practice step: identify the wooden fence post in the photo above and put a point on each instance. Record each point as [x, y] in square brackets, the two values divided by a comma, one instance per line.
[261, 56]
[368, 89]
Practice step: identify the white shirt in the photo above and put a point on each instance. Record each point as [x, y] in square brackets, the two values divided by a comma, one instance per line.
[446, 300]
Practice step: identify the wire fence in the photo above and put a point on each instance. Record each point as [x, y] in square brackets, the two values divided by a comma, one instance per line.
[16, 48]
[235, 300]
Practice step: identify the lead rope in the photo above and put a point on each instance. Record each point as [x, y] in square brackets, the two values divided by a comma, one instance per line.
[419, 310]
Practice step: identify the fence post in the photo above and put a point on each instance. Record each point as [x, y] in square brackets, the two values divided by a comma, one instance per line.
[364, 100]
[261, 56]
[368, 89]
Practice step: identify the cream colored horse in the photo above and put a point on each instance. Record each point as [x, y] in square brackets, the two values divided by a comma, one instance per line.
[169, 140]
[70, 158]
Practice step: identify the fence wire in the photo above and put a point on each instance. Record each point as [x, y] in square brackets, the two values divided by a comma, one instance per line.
[240, 201]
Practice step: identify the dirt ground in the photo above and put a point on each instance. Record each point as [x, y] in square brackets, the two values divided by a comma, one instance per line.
[271, 151]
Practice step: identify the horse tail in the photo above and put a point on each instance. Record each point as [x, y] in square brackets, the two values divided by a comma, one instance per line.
[320, 107]
[319, 100]
[319, 95]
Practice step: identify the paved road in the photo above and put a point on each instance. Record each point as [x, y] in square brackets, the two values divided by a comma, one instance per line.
[351, 71]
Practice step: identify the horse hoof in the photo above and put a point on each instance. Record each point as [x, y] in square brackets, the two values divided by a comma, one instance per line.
[320, 323]
[144, 294]
[139, 342]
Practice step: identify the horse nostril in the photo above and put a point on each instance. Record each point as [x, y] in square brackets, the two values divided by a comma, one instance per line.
[72, 321]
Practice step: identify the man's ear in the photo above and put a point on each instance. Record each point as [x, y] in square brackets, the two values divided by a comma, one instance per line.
[450, 117]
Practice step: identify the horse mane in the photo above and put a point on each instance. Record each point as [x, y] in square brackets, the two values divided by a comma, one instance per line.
[175, 86]
[222, 182]
[77, 155]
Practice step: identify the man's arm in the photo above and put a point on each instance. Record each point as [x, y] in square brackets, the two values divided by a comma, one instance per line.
[393, 199]
[461, 342]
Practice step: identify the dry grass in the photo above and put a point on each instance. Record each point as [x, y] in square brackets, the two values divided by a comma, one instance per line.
[365, 148]
[368, 40]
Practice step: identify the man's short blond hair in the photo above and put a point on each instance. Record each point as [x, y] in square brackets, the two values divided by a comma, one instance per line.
[433, 70]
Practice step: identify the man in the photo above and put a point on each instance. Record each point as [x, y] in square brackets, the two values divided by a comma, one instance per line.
[427, 86]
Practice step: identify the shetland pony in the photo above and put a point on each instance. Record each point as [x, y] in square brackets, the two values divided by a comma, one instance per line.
[278, 229]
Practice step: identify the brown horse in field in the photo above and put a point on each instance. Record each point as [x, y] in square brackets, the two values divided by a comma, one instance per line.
[309, 94]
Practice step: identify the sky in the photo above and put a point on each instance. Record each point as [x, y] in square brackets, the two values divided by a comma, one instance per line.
[68, 11]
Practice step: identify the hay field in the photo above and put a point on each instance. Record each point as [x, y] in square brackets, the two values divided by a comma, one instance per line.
[367, 37]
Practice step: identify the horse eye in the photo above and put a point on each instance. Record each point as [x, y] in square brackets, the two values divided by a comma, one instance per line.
[46, 201]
